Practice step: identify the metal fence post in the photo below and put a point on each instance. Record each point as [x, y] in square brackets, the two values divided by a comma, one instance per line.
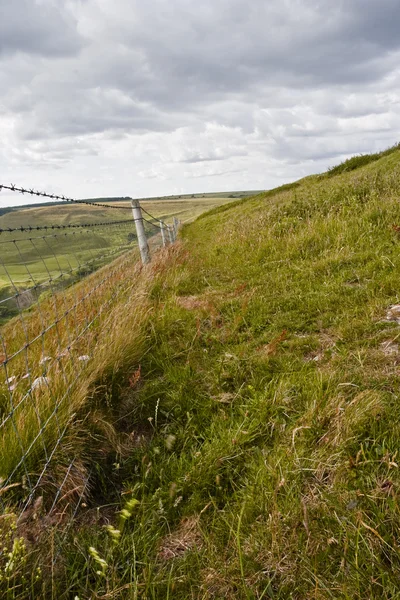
[141, 234]
[164, 241]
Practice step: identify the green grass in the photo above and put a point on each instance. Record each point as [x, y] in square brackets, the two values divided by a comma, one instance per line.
[355, 162]
[260, 436]
[31, 258]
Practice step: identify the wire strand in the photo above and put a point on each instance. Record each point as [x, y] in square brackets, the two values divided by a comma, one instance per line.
[32, 192]
[70, 226]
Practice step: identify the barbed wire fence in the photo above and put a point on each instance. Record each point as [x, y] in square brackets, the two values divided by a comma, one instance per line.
[57, 282]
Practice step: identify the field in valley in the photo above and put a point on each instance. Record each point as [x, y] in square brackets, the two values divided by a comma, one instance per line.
[33, 258]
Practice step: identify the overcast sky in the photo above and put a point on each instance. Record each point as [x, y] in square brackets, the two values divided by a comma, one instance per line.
[152, 97]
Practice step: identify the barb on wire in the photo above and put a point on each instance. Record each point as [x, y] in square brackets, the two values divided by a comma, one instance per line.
[70, 226]
[32, 192]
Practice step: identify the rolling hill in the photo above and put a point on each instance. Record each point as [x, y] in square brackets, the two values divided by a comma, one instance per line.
[241, 426]
[32, 258]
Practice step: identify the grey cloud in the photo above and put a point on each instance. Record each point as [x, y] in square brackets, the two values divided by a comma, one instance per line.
[199, 159]
[375, 22]
[173, 61]
[76, 112]
[210, 156]
[237, 44]
[210, 173]
[271, 84]
[34, 27]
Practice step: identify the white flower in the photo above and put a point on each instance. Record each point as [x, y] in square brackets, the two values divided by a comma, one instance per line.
[84, 357]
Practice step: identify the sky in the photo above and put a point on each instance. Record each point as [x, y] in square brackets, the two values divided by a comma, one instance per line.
[154, 97]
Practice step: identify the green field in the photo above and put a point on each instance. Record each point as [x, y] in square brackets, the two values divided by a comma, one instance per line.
[32, 258]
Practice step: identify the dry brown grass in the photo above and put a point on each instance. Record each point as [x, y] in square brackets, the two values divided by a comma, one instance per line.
[50, 420]
[185, 538]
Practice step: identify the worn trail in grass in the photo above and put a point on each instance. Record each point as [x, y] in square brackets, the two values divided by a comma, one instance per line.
[262, 429]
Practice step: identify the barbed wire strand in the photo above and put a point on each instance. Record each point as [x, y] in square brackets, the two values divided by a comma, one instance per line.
[68, 226]
[62, 198]
[79, 226]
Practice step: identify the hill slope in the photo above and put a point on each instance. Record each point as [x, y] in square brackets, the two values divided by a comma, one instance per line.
[265, 413]
[29, 259]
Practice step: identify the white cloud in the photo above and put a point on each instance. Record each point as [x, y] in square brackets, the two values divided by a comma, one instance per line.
[109, 97]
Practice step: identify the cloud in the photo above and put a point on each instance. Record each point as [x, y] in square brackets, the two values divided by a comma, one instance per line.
[35, 27]
[252, 94]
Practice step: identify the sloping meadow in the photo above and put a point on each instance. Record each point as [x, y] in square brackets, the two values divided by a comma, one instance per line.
[250, 448]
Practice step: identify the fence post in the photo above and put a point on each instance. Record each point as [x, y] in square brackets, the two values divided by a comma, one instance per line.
[176, 225]
[141, 235]
[171, 240]
[164, 241]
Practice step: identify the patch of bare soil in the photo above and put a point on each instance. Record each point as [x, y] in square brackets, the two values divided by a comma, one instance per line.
[390, 348]
[393, 313]
[193, 303]
[184, 539]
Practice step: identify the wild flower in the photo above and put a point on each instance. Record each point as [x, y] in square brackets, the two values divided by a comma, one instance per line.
[170, 441]
[115, 534]
[16, 555]
[102, 564]
[127, 512]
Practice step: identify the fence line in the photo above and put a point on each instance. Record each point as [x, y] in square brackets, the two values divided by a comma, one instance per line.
[70, 226]
[32, 192]
[55, 289]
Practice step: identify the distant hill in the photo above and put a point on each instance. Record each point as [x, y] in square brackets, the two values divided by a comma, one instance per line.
[111, 199]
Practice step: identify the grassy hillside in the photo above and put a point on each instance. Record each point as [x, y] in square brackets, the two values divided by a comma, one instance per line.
[67, 213]
[31, 258]
[251, 435]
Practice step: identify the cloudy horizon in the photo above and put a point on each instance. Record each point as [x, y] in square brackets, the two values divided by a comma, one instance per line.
[144, 99]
